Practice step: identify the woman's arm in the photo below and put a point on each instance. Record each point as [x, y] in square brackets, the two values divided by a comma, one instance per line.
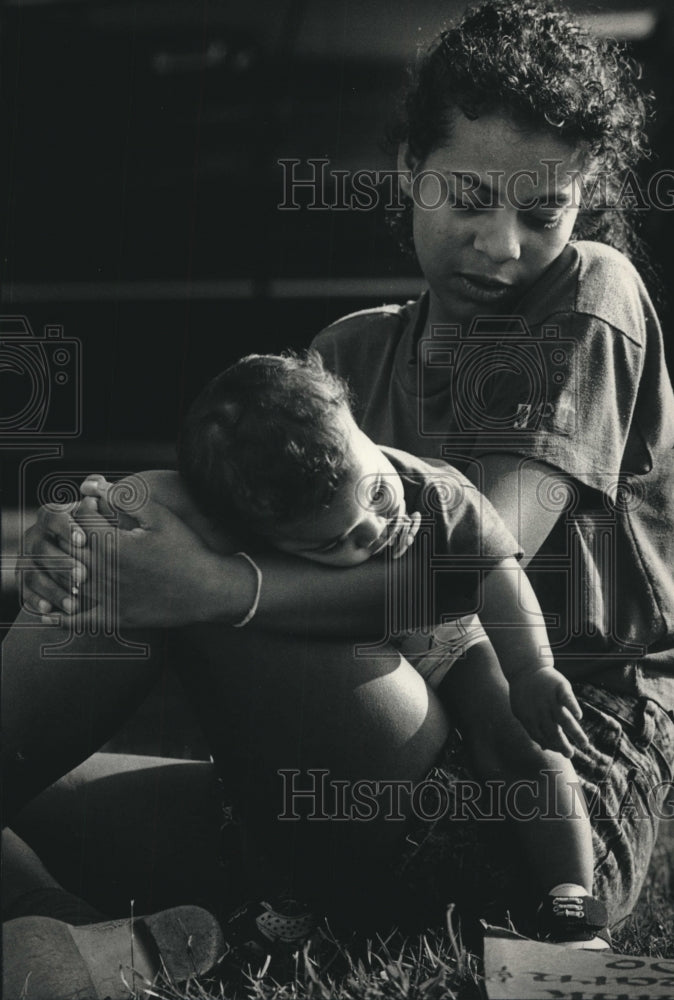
[171, 570]
[166, 576]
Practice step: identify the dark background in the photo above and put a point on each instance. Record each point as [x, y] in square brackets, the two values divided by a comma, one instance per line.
[141, 209]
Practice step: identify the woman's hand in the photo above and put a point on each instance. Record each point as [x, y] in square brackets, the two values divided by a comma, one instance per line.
[158, 572]
[54, 561]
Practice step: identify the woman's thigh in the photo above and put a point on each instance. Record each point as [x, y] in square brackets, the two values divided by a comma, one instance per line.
[284, 715]
[124, 827]
[302, 731]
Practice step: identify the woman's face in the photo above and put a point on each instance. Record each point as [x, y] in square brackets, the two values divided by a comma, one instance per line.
[498, 208]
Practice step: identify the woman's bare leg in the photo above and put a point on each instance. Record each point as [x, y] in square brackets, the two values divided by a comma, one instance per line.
[29, 889]
[57, 710]
[125, 827]
[278, 710]
[287, 715]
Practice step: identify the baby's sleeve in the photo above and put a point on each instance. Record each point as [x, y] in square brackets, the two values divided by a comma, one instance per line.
[461, 538]
[463, 521]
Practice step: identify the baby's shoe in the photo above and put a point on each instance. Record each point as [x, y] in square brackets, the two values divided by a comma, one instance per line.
[278, 928]
[570, 917]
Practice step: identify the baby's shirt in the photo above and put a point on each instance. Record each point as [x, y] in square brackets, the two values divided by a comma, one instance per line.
[460, 539]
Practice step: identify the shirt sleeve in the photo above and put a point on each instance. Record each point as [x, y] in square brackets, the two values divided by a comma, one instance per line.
[569, 402]
[463, 521]
[460, 539]
[587, 391]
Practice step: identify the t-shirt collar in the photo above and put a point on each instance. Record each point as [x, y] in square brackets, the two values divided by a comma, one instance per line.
[534, 306]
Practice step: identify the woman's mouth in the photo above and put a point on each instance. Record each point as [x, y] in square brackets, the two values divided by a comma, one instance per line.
[483, 289]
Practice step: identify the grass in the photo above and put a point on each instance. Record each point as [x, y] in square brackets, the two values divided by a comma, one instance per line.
[431, 966]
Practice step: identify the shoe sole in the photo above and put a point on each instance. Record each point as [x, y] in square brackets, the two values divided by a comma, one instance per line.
[46, 959]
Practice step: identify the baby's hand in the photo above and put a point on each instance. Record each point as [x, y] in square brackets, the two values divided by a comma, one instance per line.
[403, 534]
[545, 704]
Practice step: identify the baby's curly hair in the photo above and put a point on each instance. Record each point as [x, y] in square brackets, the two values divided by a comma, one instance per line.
[265, 443]
[533, 61]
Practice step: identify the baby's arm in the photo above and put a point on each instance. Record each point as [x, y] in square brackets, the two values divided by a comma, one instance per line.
[543, 793]
[540, 696]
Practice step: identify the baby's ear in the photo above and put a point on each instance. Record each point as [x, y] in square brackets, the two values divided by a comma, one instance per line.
[407, 164]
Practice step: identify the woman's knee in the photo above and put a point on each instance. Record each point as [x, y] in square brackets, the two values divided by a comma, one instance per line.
[314, 704]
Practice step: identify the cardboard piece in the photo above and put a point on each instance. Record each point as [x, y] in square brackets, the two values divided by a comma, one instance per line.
[519, 969]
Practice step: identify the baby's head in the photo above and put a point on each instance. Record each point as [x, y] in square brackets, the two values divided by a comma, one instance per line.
[271, 442]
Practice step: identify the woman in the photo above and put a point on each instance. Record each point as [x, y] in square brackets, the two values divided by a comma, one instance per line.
[534, 362]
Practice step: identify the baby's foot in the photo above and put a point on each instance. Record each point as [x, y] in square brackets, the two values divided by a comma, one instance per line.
[570, 917]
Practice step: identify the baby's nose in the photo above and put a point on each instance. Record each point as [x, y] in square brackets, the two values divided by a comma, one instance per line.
[369, 531]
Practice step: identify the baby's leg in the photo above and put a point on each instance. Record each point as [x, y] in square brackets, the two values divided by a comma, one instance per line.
[543, 797]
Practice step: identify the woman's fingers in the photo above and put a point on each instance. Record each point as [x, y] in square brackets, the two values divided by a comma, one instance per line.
[56, 560]
[49, 570]
[46, 556]
[58, 523]
[94, 485]
[95, 515]
[43, 595]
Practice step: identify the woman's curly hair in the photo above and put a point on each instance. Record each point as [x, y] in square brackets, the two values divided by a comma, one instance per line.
[532, 60]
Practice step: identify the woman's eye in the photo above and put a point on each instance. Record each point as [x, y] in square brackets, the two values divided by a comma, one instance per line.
[544, 221]
[468, 204]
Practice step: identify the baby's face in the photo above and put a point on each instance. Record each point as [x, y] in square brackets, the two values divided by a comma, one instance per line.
[366, 515]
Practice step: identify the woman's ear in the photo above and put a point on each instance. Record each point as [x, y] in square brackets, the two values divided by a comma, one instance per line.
[406, 167]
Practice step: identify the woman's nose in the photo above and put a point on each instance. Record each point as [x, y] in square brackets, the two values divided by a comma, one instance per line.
[497, 235]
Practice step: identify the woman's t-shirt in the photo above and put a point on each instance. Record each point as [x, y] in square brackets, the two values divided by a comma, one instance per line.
[576, 379]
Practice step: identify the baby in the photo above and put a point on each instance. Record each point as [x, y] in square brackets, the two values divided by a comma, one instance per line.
[271, 448]
[272, 456]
